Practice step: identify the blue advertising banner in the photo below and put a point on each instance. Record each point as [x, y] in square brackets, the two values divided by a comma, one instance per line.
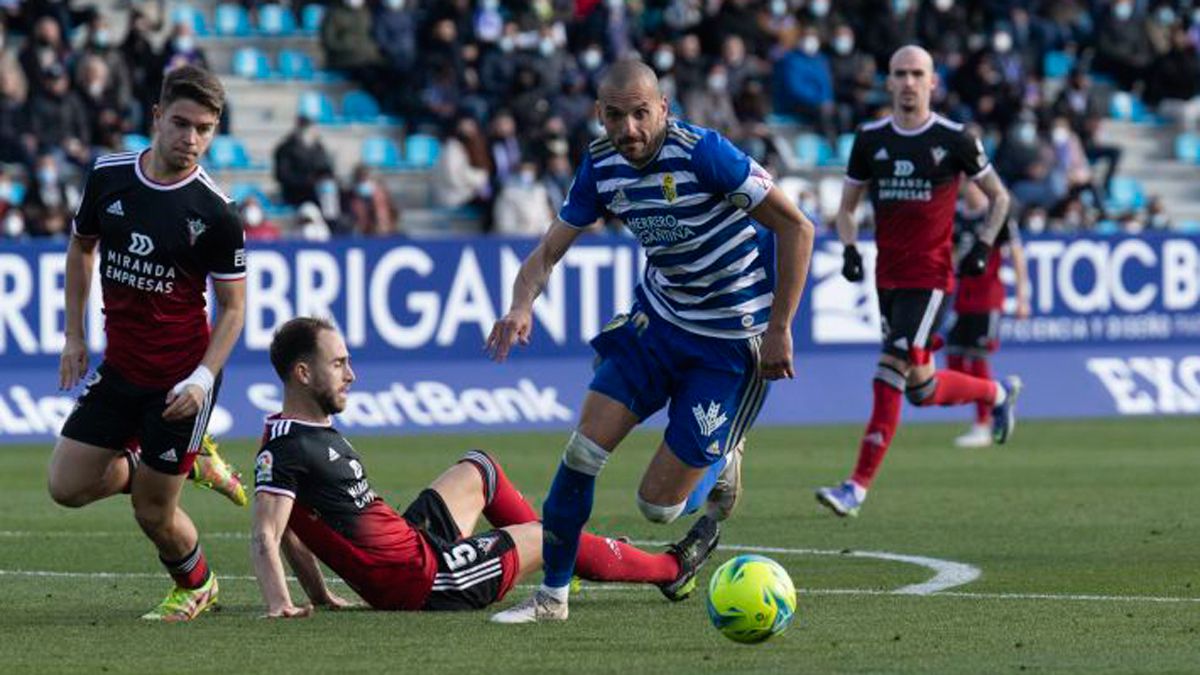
[415, 315]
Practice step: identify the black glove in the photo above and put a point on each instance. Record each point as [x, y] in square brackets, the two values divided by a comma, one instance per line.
[851, 263]
[974, 263]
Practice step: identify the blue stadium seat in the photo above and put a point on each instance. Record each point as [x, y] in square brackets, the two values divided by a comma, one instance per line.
[294, 65]
[134, 142]
[311, 17]
[226, 153]
[1057, 65]
[231, 20]
[241, 191]
[317, 107]
[191, 16]
[380, 152]
[1127, 107]
[421, 151]
[1124, 194]
[16, 195]
[359, 106]
[812, 150]
[251, 63]
[1187, 148]
[276, 20]
[845, 144]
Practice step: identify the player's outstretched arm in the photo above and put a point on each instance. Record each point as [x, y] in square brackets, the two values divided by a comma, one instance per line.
[271, 512]
[515, 326]
[793, 248]
[308, 572]
[81, 257]
[185, 399]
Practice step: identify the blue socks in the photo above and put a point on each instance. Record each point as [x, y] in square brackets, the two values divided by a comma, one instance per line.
[700, 494]
[566, 510]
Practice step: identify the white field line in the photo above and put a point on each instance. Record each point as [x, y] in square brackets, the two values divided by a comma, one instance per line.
[947, 573]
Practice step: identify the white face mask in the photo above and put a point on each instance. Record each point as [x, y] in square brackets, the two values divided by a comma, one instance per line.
[779, 7]
[844, 44]
[901, 6]
[1036, 224]
[811, 45]
[664, 59]
[47, 176]
[943, 5]
[1060, 135]
[1166, 16]
[506, 44]
[592, 58]
[526, 178]
[365, 189]
[354, 4]
[1123, 11]
[1002, 42]
[395, 5]
[717, 83]
[1027, 134]
[546, 47]
[184, 43]
[95, 89]
[253, 215]
[819, 8]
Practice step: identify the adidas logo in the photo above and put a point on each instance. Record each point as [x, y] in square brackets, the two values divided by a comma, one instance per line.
[882, 154]
[333, 455]
[901, 343]
[115, 208]
[169, 455]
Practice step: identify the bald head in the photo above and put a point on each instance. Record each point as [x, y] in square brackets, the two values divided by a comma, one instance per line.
[911, 81]
[632, 110]
[628, 75]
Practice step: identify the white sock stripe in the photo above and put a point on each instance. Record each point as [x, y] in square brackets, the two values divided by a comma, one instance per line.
[582, 454]
[891, 377]
[931, 311]
[489, 469]
[187, 564]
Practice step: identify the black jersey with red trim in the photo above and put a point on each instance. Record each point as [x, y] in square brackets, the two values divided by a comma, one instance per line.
[339, 517]
[159, 243]
[914, 177]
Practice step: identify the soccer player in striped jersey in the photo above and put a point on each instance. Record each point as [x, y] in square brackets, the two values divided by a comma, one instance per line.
[711, 323]
[913, 162]
[314, 501]
[162, 229]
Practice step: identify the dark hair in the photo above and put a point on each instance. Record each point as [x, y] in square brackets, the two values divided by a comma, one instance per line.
[194, 84]
[295, 341]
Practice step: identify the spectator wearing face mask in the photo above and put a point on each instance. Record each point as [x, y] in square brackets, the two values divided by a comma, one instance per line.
[17, 144]
[940, 29]
[1122, 46]
[394, 29]
[44, 49]
[12, 221]
[887, 31]
[49, 201]
[523, 207]
[1176, 74]
[182, 49]
[368, 207]
[853, 74]
[740, 67]
[256, 224]
[142, 58]
[102, 103]
[58, 119]
[462, 173]
[102, 44]
[498, 66]
[712, 106]
[686, 63]
[299, 160]
[349, 48]
[803, 85]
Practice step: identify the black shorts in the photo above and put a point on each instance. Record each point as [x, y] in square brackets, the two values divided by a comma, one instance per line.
[910, 317]
[974, 334]
[473, 572]
[111, 412]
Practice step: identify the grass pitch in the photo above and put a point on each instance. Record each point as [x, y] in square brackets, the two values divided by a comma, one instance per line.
[1085, 534]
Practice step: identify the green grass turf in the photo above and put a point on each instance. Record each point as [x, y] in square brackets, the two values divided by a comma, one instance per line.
[1098, 508]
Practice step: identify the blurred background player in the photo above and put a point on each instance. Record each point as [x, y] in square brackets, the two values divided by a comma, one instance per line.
[710, 324]
[978, 302]
[163, 229]
[912, 162]
[313, 501]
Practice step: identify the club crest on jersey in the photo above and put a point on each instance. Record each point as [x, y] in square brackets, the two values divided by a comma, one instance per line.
[668, 187]
[939, 153]
[195, 228]
[902, 168]
[140, 244]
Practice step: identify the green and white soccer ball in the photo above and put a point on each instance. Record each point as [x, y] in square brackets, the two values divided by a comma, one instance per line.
[751, 598]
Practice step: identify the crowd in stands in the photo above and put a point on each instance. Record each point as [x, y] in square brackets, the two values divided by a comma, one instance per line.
[508, 87]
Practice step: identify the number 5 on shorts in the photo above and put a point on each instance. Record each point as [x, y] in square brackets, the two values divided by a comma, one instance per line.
[459, 556]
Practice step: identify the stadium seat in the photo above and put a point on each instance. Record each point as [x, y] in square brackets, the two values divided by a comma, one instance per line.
[421, 151]
[1057, 65]
[359, 106]
[295, 65]
[380, 152]
[317, 107]
[134, 142]
[186, 14]
[845, 144]
[231, 20]
[240, 191]
[251, 63]
[812, 150]
[276, 20]
[311, 17]
[1127, 107]
[1125, 194]
[1187, 148]
[228, 153]
[16, 193]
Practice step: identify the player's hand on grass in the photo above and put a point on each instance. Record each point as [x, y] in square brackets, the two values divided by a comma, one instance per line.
[513, 328]
[73, 363]
[775, 362]
[289, 612]
[974, 263]
[852, 263]
[184, 402]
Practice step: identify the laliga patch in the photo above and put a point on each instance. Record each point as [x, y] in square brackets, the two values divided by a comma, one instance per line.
[263, 466]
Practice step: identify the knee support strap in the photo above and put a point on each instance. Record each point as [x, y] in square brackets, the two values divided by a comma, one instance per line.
[921, 393]
[660, 514]
[582, 454]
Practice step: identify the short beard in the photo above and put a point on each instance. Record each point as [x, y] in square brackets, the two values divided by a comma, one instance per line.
[329, 403]
[652, 148]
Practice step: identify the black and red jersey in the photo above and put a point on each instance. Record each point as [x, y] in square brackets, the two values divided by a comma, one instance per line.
[339, 517]
[159, 243]
[914, 176]
[984, 293]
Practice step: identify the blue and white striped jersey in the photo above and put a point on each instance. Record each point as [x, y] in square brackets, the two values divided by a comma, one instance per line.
[688, 207]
